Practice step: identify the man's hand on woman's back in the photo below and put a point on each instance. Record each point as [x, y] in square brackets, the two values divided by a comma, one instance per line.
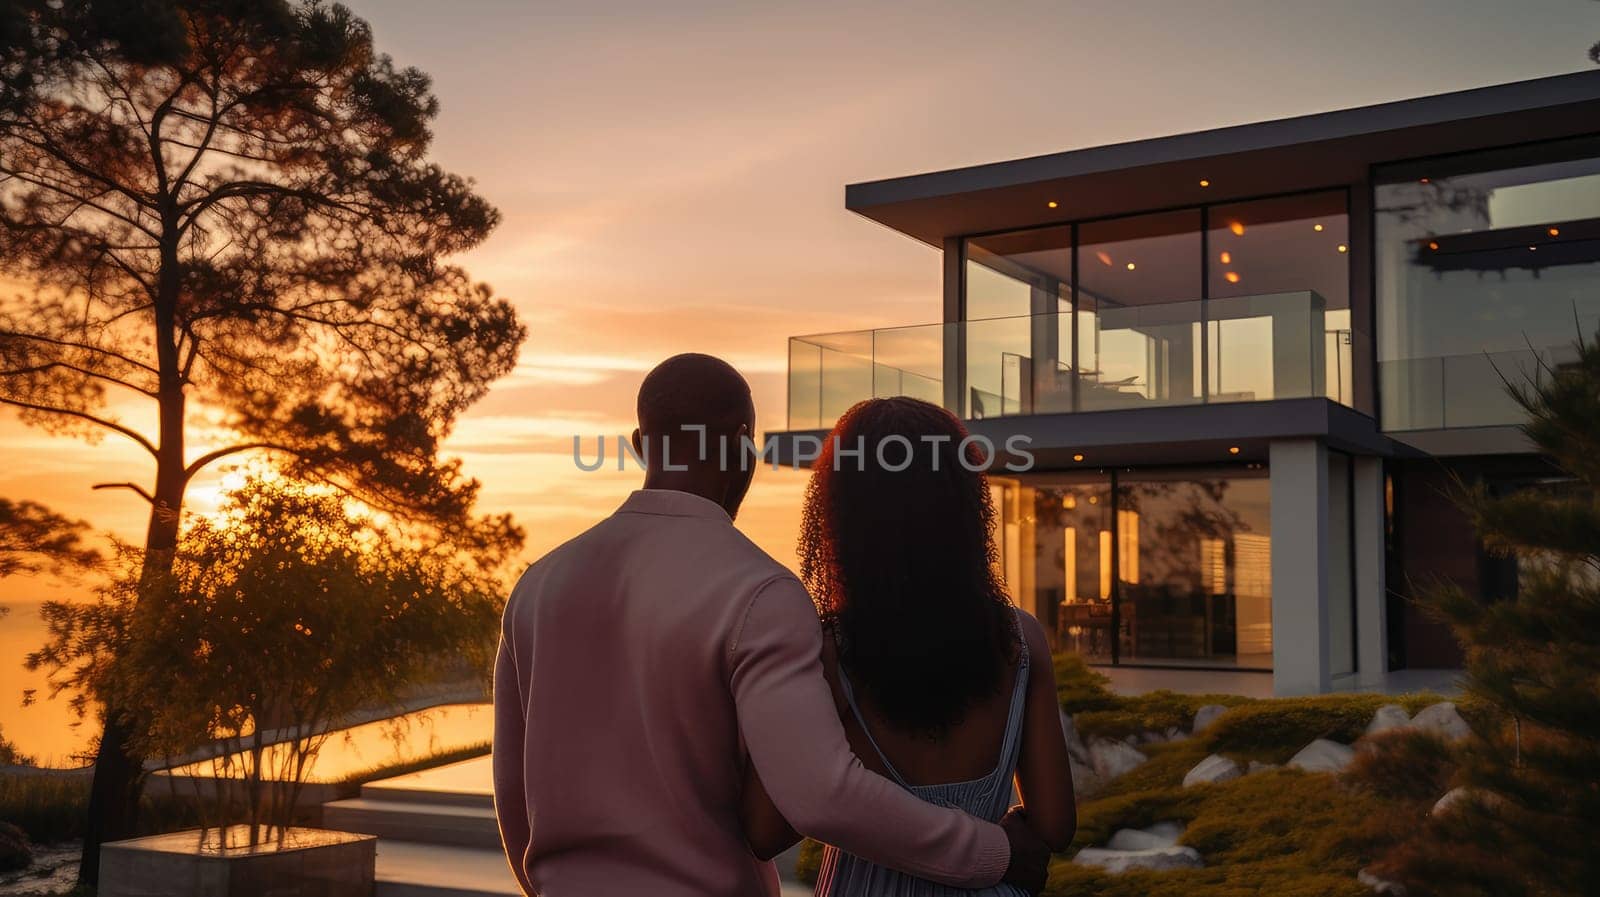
[1030, 856]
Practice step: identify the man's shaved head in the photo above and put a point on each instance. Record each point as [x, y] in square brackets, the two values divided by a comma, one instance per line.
[678, 398]
[694, 390]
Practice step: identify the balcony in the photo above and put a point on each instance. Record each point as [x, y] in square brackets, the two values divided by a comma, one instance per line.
[1239, 349]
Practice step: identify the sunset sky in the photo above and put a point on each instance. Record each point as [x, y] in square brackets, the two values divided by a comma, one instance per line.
[671, 178]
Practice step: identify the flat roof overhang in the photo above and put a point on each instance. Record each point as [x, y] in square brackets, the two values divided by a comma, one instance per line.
[1326, 149]
[1138, 437]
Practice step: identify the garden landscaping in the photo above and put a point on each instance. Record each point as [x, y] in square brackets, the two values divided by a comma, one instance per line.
[1219, 795]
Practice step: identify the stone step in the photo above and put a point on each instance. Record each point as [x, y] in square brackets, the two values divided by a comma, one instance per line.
[416, 821]
[412, 869]
[386, 790]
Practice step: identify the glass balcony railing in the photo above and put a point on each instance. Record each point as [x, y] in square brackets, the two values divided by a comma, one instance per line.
[1240, 349]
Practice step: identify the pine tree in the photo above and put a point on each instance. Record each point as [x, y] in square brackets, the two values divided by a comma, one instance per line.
[1528, 823]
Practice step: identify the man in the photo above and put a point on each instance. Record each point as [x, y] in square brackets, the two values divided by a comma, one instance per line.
[643, 663]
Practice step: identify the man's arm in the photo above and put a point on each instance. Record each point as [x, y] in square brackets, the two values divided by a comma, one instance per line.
[510, 796]
[799, 749]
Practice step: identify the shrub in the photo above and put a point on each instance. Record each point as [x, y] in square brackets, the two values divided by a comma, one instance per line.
[1404, 765]
[15, 851]
[1272, 731]
[1080, 687]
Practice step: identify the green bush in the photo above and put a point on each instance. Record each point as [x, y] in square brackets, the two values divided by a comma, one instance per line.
[15, 851]
[1280, 833]
[1274, 730]
[1080, 687]
[51, 808]
[1405, 766]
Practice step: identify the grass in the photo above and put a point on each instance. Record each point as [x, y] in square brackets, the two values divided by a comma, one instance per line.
[52, 808]
[390, 770]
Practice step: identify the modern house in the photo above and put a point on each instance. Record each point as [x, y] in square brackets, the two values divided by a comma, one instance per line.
[1252, 362]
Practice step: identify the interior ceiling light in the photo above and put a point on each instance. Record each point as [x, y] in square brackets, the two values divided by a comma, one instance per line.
[1051, 203]
[1231, 277]
[1317, 228]
[1131, 266]
[1238, 228]
[1343, 248]
[1233, 450]
[1226, 257]
[1204, 182]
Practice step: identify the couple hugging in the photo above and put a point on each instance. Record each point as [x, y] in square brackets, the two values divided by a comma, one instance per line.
[673, 707]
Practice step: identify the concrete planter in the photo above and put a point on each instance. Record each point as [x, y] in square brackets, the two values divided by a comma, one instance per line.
[309, 863]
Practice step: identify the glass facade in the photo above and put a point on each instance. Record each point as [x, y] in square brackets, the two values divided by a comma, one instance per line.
[1149, 567]
[1241, 302]
[1488, 267]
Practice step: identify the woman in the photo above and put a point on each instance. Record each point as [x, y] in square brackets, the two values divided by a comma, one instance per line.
[942, 685]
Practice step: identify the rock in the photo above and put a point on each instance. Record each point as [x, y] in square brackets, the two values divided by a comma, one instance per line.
[1389, 716]
[1215, 768]
[1162, 834]
[1176, 734]
[1075, 748]
[1086, 783]
[1442, 719]
[1205, 716]
[1155, 859]
[1455, 796]
[1381, 886]
[1110, 759]
[1322, 755]
[1257, 766]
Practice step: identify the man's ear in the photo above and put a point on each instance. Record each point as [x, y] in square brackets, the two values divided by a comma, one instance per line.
[638, 443]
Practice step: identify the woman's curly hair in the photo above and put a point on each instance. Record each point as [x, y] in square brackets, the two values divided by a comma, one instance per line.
[902, 563]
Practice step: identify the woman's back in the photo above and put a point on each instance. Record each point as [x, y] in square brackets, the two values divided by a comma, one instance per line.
[969, 767]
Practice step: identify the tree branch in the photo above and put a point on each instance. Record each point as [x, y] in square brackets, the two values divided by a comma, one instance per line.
[69, 344]
[113, 426]
[134, 486]
[117, 381]
[212, 457]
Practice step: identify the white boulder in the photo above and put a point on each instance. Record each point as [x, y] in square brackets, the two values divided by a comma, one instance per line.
[1322, 755]
[1086, 783]
[1442, 719]
[1389, 716]
[1257, 766]
[1075, 748]
[1379, 885]
[1110, 759]
[1162, 834]
[1205, 716]
[1455, 796]
[1215, 768]
[1154, 859]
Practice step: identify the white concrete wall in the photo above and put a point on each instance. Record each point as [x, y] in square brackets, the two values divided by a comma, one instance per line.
[1299, 471]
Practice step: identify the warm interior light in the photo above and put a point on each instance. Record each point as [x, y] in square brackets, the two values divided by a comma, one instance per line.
[1233, 450]
[1231, 277]
[1226, 257]
[1317, 228]
[1094, 499]
[1533, 248]
[1237, 227]
[1077, 457]
[1555, 231]
[1424, 180]
[1130, 266]
[1103, 257]
[1204, 182]
[1069, 501]
[1051, 203]
[1433, 244]
[1343, 248]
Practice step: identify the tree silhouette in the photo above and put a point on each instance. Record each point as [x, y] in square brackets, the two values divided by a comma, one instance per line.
[35, 539]
[225, 207]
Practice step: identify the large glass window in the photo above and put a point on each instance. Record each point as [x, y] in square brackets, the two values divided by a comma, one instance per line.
[1278, 275]
[1195, 567]
[1488, 267]
[1138, 314]
[1153, 567]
